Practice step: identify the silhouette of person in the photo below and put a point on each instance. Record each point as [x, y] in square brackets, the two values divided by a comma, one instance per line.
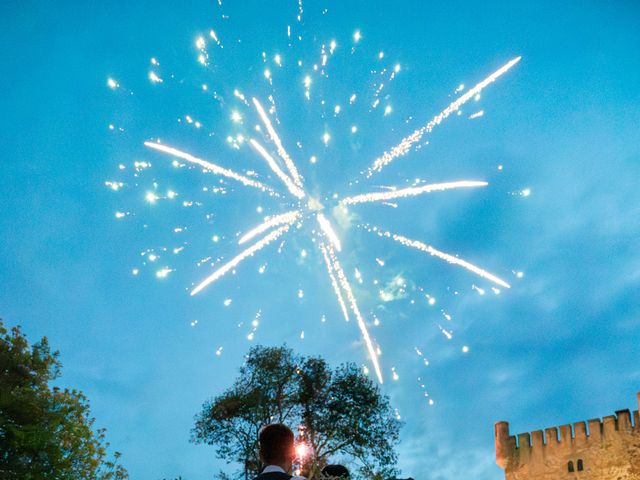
[335, 471]
[277, 452]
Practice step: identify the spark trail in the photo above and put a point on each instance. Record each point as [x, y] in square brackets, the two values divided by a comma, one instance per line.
[294, 189]
[329, 232]
[407, 242]
[276, 139]
[212, 167]
[406, 143]
[344, 282]
[270, 222]
[409, 192]
[239, 258]
[334, 282]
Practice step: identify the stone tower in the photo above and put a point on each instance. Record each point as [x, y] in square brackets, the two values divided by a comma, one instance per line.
[607, 449]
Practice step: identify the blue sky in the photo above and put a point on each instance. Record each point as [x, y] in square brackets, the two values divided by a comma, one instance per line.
[559, 346]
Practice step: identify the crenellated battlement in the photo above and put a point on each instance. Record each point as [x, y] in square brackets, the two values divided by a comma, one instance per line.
[562, 441]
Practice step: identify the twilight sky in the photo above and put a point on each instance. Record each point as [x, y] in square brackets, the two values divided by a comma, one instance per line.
[558, 144]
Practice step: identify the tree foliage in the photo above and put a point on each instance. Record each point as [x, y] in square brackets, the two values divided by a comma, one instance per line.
[338, 413]
[46, 433]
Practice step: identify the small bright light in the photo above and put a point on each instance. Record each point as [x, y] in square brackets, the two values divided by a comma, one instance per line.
[477, 97]
[151, 197]
[200, 43]
[135, 271]
[171, 194]
[332, 46]
[520, 274]
[120, 215]
[162, 273]
[300, 293]
[432, 301]
[259, 209]
[357, 36]
[526, 192]
[396, 68]
[154, 77]
[152, 257]
[336, 110]
[227, 302]
[325, 138]
[112, 83]
[278, 60]
[302, 450]
[465, 349]
[313, 159]
[236, 117]
[381, 55]
[387, 110]
[307, 81]
[267, 73]
[303, 253]
[354, 129]
[215, 238]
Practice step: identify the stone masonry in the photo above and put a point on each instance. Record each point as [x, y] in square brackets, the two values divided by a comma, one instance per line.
[600, 449]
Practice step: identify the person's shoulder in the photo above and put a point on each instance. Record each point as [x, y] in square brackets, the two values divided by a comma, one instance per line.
[276, 476]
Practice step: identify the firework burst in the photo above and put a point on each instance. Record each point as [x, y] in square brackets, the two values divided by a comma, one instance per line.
[307, 208]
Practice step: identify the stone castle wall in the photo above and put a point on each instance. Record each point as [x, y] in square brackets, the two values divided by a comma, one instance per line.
[600, 449]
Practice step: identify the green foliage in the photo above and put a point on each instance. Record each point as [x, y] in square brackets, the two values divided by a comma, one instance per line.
[340, 413]
[46, 433]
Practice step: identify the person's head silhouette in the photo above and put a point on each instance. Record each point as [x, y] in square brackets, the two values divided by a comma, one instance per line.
[276, 446]
[335, 471]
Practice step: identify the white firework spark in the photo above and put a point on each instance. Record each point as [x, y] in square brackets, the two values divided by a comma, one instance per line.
[442, 255]
[212, 167]
[276, 139]
[239, 258]
[406, 143]
[328, 230]
[409, 192]
[295, 190]
[334, 282]
[270, 222]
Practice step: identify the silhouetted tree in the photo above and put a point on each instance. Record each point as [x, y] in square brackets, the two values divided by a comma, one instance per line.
[338, 413]
[46, 432]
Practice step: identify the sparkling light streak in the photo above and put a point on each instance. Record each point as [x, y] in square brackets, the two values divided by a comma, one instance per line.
[344, 283]
[239, 258]
[409, 192]
[295, 190]
[442, 255]
[276, 139]
[334, 281]
[329, 232]
[209, 166]
[270, 222]
[406, 143]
